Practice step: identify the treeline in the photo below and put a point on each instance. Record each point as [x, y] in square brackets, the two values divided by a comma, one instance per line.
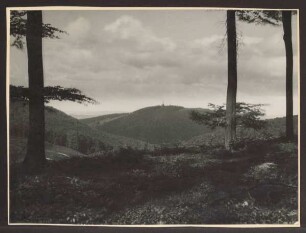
[71, 139]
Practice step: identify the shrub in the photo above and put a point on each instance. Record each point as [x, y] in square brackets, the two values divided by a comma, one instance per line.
[127, 155]
[164, 150]
[263, 172]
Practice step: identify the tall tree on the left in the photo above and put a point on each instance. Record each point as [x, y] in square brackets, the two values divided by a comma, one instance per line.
[32, 28]
[35, 157]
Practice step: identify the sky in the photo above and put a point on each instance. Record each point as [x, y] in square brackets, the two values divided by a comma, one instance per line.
[130, 59]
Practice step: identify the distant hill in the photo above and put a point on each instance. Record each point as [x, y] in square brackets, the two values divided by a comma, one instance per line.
[100, 120]
[156, 125]
[64, 130]
[277, 126]
[143, 128]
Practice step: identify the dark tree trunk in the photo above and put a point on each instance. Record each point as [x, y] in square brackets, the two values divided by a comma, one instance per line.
[286, 15]
[230, 130]
[35, 156]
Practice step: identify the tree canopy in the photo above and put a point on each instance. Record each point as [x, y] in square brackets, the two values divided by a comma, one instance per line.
[261, 17]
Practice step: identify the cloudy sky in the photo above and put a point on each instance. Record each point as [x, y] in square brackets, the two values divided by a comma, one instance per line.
[132, 59]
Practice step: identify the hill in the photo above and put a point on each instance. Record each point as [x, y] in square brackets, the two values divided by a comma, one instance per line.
[277, 126]
[274, 128]
[64, 130]
[100, 120]
[53, 152]
[172, 125]
[157, 124]
[139, 129]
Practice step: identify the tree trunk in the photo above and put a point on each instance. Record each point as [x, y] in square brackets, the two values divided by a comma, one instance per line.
[35, 156]
[230, 130]
[286, 15]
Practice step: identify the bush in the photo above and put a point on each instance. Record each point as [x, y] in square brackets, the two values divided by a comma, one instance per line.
[263, 172]
[127, 155]
[170, 151]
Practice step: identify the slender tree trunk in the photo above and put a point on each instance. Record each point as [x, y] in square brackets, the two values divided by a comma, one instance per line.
[286, 15]
[230, 130]
[35, 156]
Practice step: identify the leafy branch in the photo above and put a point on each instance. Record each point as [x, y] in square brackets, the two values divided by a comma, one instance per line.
[247, 115]
[260, 17]
[52, 93]
[18, 29]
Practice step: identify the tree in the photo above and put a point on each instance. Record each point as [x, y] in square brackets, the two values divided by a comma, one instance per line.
[275, 18]
[247, 116]
[286, 15]
[33, 29]
[35, 157]
[230, 131]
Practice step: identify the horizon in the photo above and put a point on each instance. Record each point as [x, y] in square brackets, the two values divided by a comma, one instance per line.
[105, 113]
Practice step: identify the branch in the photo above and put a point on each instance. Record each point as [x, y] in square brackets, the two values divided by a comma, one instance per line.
[52, 93]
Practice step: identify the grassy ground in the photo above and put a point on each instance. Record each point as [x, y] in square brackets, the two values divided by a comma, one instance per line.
[255, 184]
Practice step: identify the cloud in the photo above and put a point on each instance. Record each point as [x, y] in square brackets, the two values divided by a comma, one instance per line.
[265, 46]
[209, 41]
[79, 28]
[262, 65]
[128, 28]
[251, 41]
[145, 60]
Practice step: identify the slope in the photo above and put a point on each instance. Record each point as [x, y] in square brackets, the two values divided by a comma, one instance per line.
[64, 130]
[100, 120]
[157, 125]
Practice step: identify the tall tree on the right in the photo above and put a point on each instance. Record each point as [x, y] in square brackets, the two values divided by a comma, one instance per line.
[276, 18]
[286, 16]
[230, 129]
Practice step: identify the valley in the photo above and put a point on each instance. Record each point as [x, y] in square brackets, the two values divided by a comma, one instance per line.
[152, 166]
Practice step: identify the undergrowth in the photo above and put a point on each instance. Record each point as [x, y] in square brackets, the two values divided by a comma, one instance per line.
[256, 183]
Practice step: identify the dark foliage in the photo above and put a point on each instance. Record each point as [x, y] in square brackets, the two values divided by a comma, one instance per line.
[261, 17]
[127, 156]
[18, 29]
[51, 93]
[167, 150]
[247, 115]
[214, 118]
